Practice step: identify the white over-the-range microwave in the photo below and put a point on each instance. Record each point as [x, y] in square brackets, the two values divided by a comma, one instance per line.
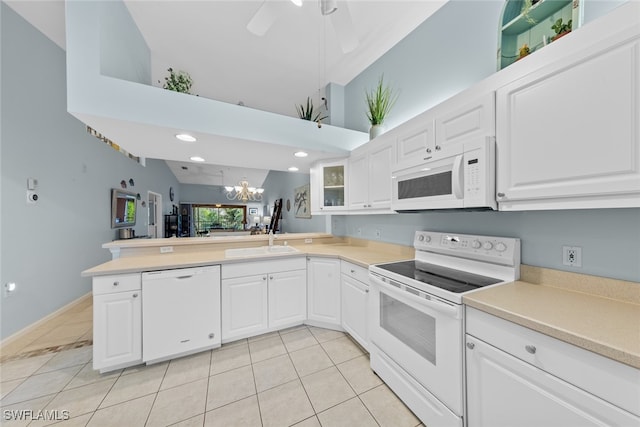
[462, 176]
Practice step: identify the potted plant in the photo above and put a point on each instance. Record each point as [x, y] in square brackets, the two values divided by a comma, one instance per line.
[179, 81]
[379, 102]
[308, 112]
[561, 29]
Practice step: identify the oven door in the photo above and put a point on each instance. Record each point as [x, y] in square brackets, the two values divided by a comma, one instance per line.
[423, 336]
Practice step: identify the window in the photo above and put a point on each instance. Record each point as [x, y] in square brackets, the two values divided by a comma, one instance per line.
[208, 218]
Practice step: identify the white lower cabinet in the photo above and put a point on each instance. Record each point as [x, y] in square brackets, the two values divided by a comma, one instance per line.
[181, 312]
[518, 377]
[117, 322]
[354, 298]
[323, 280]
[287, 298]
[261, 296]
[244, 306]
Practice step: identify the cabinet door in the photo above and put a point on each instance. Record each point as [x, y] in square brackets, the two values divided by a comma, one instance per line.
[329, 192]
[287, 298]
[323, 282]
[181, 312]
[505, 391]
[379, 176]
[460, 119]
[359, 181]
[568, 135]
[117, 330]
[415, 142]
[244, 306]
[354, 295]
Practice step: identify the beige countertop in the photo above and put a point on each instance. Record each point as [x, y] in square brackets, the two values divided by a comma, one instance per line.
[360, 252]
[595, 313]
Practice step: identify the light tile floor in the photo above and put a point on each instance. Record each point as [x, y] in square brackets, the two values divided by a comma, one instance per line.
[303, 376]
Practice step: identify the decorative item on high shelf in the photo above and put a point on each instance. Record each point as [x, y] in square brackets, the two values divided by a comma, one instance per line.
[561, 29]
[178, 81]
[301, 201]
[379, 102]
[524, 51]
[308, 112]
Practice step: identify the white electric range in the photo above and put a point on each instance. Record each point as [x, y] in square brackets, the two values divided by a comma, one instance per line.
[416, 312]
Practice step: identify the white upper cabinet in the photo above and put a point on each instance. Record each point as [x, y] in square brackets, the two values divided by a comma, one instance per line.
[370, 176]
[416, 141]
[459, 119]
[568, 135]
[329, 192]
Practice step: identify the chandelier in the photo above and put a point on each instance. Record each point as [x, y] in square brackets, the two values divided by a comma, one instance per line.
[244, 193]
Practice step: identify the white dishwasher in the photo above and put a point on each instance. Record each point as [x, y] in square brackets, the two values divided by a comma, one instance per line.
[180, 312]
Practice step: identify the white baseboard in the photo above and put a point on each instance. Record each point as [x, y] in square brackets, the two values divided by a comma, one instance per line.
[45, 319]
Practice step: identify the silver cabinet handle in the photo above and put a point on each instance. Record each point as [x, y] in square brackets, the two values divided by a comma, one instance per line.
[438, 148]
[116, 283]
[366, 291]
[500, 194]
[135, 295]
[530, 349]
[353, 271]
[471, 345]
[428, 150]
[211, 335]
[270, 277]
[264, 277]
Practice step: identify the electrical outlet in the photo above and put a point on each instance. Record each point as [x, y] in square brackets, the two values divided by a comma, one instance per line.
[572, 256]
[166, 249]
[9, 289]
[377, 234]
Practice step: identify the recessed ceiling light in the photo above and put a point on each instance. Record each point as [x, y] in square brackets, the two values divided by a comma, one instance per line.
[196, 159]
[293, 169]
[300, 154]
[185, 137]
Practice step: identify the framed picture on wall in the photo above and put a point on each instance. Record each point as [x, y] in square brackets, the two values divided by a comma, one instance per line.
[253, 211]
[302, 204]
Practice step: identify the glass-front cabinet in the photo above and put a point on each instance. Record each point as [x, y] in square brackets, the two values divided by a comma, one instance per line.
[329, 192]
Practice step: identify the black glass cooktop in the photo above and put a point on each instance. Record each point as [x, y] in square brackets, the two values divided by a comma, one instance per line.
[449, 279]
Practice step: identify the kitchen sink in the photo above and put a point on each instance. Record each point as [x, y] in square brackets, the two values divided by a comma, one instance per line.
[259, 251]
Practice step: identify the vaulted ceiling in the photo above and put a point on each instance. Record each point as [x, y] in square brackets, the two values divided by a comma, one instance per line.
[299, 53]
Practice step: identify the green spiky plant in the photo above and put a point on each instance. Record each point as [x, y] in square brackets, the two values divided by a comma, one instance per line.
[308, 112]
[379, 102]
[178, 81]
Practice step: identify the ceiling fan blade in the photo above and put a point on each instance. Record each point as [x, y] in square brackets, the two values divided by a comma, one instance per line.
[343, 26]
[264, 18]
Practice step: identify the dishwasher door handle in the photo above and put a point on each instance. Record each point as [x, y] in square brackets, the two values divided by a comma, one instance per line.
[184, 277]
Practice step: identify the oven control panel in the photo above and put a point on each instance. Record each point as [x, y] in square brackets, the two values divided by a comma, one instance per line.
[501, 250]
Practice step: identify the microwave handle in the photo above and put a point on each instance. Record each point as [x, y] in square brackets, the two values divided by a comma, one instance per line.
[458, 177]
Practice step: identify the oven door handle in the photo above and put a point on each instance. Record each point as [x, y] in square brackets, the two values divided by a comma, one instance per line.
[442, 307]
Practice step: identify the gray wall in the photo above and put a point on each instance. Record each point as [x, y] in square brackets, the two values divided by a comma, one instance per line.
[281, 185]
[123, 51]
[446, 54]
[45, 246]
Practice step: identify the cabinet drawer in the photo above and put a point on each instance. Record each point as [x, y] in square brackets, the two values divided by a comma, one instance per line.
[612, 381]
[120, 283]
[251, 268]
[355, 271]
